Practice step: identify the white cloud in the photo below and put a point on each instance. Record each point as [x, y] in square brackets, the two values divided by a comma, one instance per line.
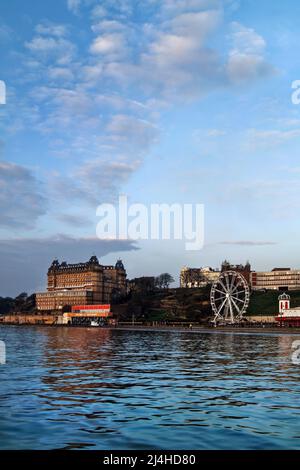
[171, 49]
[242, 68]
[40, 44]
[135, 132]
[246, 40]
[215, 133]
[74, 6]
[91, 73]
[177, 6]
[172, 57]
[72, 100]
[95, 181]
[60, 73]
[270, 138]
[175, 60]
[105, 177]
[247, 57]
[108, 26]
[112, 45]
[6, 33]
[50, 29]
[98, 12]
[116, 102]
[196, 26]
[58, 49]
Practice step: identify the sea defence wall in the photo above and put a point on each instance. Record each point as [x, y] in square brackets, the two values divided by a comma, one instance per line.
[49, 319]
[261, 319]
[21, 319]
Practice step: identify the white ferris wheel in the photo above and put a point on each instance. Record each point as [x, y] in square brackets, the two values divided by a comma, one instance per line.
[229, 297]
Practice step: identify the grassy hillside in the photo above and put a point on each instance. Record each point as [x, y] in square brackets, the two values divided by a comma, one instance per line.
[192, 305]
[266, 303]
[169, 305]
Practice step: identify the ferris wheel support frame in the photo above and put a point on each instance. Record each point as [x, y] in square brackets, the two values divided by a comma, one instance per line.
[229, 297]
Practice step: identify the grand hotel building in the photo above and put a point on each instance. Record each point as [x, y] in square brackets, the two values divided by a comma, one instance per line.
[87, 283]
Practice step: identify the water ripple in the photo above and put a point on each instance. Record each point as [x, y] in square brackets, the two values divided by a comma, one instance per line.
[108, 389]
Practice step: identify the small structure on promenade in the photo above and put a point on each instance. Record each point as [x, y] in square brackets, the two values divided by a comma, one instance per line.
[284, 302]
[87, 314]
[287, 316]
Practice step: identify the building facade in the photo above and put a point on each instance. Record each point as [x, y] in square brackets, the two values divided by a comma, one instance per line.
[281, 279]
[278, 279]
[197, 277]
[201, 277]
[243, 269]
[87, 283]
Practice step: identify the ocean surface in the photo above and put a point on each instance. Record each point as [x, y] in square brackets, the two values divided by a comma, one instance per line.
[94, 388]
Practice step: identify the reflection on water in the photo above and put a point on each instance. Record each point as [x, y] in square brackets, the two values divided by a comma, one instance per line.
[108, 389]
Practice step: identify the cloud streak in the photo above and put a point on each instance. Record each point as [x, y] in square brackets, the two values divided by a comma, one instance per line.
[21, 199]
[248, 243]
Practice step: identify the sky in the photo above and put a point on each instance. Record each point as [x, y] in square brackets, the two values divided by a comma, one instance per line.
[164, 101]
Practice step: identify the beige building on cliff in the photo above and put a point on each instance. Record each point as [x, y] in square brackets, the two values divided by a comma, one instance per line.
[197, 277]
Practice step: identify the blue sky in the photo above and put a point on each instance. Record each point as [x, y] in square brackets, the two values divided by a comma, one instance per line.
[165, 101]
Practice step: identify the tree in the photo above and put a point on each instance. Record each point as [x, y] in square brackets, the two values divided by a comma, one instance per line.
[6, 305]
[21, 297]
[25, 303]
[164, 280]
[30, 303]
[118, 296]
[158, 282]
[20, 301]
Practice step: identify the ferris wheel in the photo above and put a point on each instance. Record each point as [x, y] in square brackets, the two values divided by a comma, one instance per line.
[229, 297]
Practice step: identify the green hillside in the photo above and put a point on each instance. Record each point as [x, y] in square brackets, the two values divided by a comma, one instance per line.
[167, 305]
[191, 305]
[266, 303]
